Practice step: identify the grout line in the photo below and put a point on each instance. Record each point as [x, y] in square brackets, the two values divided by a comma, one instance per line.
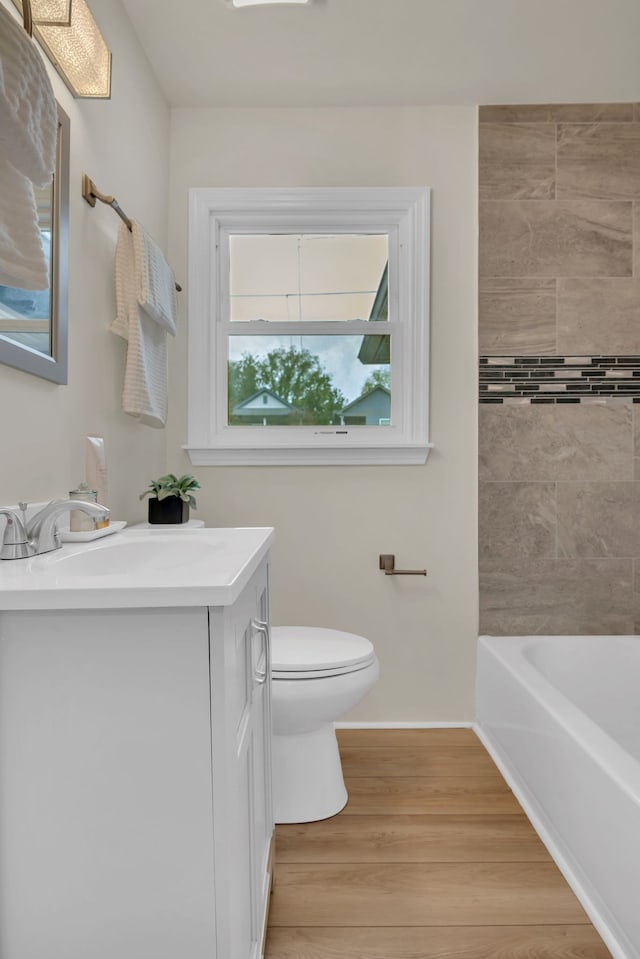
[633, 442]
[548, 277]
[426, 725]
[471, 925]
[431, 925]
[555, 180]
[311, 863]
[557, 536]
[635, 253]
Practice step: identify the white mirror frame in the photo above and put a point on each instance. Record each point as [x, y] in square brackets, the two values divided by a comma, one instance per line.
[214, 213]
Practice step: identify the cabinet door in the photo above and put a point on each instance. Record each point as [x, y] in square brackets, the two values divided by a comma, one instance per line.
[261, 750]
[106, 827]
[241, 732]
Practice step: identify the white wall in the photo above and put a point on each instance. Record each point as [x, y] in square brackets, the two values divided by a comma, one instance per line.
[123, 144]
[331, 522]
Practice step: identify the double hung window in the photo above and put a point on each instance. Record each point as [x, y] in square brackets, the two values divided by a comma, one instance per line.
[308, 325]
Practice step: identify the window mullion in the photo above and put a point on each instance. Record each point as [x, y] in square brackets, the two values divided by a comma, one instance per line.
[309, 328]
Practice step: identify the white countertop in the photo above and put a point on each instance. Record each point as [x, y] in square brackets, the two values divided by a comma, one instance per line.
[138, 568]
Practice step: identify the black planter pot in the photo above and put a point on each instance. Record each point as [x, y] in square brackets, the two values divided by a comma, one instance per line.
[171, 510]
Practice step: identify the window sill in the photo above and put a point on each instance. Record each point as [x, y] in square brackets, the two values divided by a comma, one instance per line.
[297, 456]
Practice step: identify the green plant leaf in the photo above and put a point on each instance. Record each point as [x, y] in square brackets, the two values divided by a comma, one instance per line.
[170, 485]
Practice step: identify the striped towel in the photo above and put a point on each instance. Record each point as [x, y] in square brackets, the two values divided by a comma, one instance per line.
[28, 134]
[23, 263]
[145, 392]
[156, 284]
[28, 112]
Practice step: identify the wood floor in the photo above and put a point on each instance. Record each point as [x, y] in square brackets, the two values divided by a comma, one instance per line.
[432, 858]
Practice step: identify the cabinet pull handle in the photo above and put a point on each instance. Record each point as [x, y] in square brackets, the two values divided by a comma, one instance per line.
[260, 675]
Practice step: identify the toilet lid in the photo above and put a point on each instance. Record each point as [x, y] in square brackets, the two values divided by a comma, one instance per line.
[315, 649]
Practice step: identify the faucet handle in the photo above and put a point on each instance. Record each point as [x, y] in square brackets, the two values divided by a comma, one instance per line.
[15, 544]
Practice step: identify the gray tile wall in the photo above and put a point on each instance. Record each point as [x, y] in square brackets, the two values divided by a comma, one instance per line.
[559, 260]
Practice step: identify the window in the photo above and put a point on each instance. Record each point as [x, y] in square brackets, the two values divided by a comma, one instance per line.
[308, 325]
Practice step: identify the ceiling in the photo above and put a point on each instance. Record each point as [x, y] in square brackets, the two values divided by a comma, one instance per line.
[391, 52]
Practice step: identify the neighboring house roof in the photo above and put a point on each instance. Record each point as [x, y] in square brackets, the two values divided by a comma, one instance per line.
[375, 349]
[365, 396]
[255, 404]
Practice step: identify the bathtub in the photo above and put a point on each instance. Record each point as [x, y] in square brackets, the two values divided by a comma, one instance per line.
[561, 717]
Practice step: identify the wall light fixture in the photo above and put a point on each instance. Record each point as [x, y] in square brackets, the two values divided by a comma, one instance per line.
[72, 40]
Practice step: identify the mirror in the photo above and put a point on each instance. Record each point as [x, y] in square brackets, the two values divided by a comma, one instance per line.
[33, 324]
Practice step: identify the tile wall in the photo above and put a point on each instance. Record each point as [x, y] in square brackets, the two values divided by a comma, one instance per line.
[559, 381]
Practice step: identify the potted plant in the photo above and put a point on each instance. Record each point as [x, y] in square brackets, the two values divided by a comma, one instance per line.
[171, 498]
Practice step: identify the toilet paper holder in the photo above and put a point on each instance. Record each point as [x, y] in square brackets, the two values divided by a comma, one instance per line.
[388, 564]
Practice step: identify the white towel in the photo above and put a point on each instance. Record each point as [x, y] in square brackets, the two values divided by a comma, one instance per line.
[155, 282]
[23, 263]
[145, 392]
[28, 113]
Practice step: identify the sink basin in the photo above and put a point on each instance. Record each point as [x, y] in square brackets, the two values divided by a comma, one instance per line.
[138, 568]
[152, 556]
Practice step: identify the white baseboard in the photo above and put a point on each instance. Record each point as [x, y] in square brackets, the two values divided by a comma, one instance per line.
[451, 725]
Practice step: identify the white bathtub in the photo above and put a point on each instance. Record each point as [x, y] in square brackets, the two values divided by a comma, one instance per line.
[561, 717]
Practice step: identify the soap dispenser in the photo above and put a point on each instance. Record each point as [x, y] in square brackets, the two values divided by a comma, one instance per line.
[80, 522]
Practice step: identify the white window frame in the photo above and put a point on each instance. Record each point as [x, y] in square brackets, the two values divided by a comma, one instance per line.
[401, 212]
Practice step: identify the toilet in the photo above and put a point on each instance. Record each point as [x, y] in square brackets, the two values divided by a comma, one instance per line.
[317, 675]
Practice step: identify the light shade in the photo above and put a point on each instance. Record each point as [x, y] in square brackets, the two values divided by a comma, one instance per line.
[72, 40]
[54, 12]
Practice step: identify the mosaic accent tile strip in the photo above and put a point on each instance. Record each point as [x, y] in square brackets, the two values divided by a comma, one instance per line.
[558, 379]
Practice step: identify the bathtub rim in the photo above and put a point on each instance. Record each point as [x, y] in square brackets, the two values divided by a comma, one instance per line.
[622, 767]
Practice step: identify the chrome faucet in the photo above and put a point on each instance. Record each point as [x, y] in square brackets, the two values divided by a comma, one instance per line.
[40, 535]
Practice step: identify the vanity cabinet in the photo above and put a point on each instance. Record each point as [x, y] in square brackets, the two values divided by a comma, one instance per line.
[135, 780]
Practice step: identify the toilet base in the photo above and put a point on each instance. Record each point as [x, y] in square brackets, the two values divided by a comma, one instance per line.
[307, 776]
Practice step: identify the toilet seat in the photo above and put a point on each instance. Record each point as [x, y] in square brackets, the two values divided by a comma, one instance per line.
[313, 652]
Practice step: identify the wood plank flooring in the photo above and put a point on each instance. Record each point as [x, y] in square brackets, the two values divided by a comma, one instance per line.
[432, 858]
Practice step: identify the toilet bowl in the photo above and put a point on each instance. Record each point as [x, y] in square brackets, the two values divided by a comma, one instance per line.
[317, 675]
